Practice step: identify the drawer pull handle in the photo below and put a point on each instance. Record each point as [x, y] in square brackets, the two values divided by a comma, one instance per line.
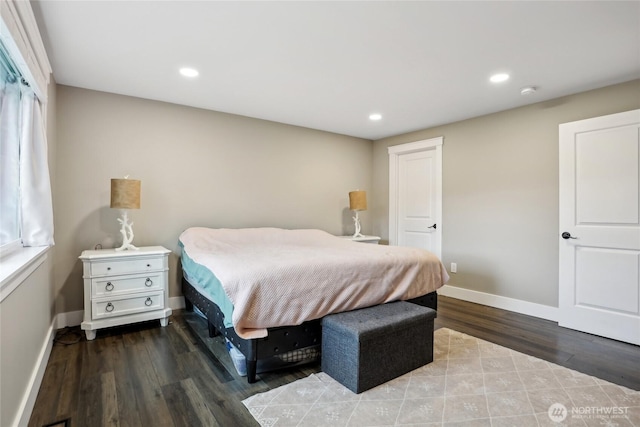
[148, 282]
[109, 286]
[148, 265]
[108, 268]
[109, 308]
[148, 301]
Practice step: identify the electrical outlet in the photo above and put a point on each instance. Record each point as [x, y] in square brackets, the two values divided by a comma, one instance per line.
[454, 267]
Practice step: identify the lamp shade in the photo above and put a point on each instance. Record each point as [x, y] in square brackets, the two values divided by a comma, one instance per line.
[358, 200]
[125, 193]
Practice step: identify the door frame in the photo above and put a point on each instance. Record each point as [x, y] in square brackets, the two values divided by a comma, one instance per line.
[395, 152]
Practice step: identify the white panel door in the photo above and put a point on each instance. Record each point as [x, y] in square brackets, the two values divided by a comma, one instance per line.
[599, 279]
[415, 195]
[416, 204]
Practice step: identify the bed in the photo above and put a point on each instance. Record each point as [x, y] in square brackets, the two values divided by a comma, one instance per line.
[266, 289]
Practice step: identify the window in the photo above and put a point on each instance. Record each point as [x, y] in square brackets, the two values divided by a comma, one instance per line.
[10, 94]
[26, 214]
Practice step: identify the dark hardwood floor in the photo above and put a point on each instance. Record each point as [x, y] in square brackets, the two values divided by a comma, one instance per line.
[145, 375]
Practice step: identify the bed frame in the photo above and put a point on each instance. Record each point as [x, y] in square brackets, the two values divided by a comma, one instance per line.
[280, 340]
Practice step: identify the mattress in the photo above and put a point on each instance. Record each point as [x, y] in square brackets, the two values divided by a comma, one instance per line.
[266, 277]
[206, 282]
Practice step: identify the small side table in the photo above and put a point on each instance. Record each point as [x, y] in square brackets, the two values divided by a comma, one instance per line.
[125, 287]
[363, 239]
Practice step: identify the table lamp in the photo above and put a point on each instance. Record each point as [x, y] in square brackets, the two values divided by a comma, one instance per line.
[357, 202]
[125, 194]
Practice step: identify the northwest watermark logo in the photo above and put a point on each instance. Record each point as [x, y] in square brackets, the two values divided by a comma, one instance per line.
[558, 412]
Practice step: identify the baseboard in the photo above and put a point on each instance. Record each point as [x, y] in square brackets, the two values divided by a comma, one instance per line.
[176, 303]
[71, 318]
[33, 387]
[511, 304]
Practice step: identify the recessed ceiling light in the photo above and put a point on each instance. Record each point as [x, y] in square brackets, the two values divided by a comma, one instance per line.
[375, 117]
[499, 78]
[189, 72]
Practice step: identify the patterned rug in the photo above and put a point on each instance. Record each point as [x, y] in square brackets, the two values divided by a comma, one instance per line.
[471, 382]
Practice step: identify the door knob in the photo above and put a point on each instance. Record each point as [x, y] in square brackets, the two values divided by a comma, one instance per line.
[566, 235]
[433, 226]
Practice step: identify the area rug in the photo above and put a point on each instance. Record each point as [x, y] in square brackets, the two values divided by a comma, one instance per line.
[471, 382]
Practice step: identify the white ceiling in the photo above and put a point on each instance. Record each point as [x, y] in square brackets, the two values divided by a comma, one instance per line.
[328, 65]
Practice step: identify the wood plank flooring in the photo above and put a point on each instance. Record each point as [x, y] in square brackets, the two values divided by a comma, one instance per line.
[145, 375]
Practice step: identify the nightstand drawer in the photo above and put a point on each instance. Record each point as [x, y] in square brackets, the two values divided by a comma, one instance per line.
[126, 284]
[105, 307]
[112, 267]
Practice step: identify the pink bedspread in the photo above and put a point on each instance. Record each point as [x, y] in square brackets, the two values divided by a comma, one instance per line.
[277, 277]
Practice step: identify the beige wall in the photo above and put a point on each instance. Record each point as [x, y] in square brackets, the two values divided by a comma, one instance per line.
[500, 192]
[27, 313]
[25, 318]
[198, 168]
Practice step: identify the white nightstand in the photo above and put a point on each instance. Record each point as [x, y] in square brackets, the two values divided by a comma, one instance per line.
[363, 239]
[125, 287]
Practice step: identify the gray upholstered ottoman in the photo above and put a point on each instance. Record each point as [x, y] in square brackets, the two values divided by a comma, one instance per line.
[365, 348]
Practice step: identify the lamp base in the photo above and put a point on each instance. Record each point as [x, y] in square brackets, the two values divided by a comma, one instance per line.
[127, 233]
[128, 247]
[356, 220]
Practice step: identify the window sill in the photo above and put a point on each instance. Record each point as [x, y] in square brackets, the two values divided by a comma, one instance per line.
[18, 265]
